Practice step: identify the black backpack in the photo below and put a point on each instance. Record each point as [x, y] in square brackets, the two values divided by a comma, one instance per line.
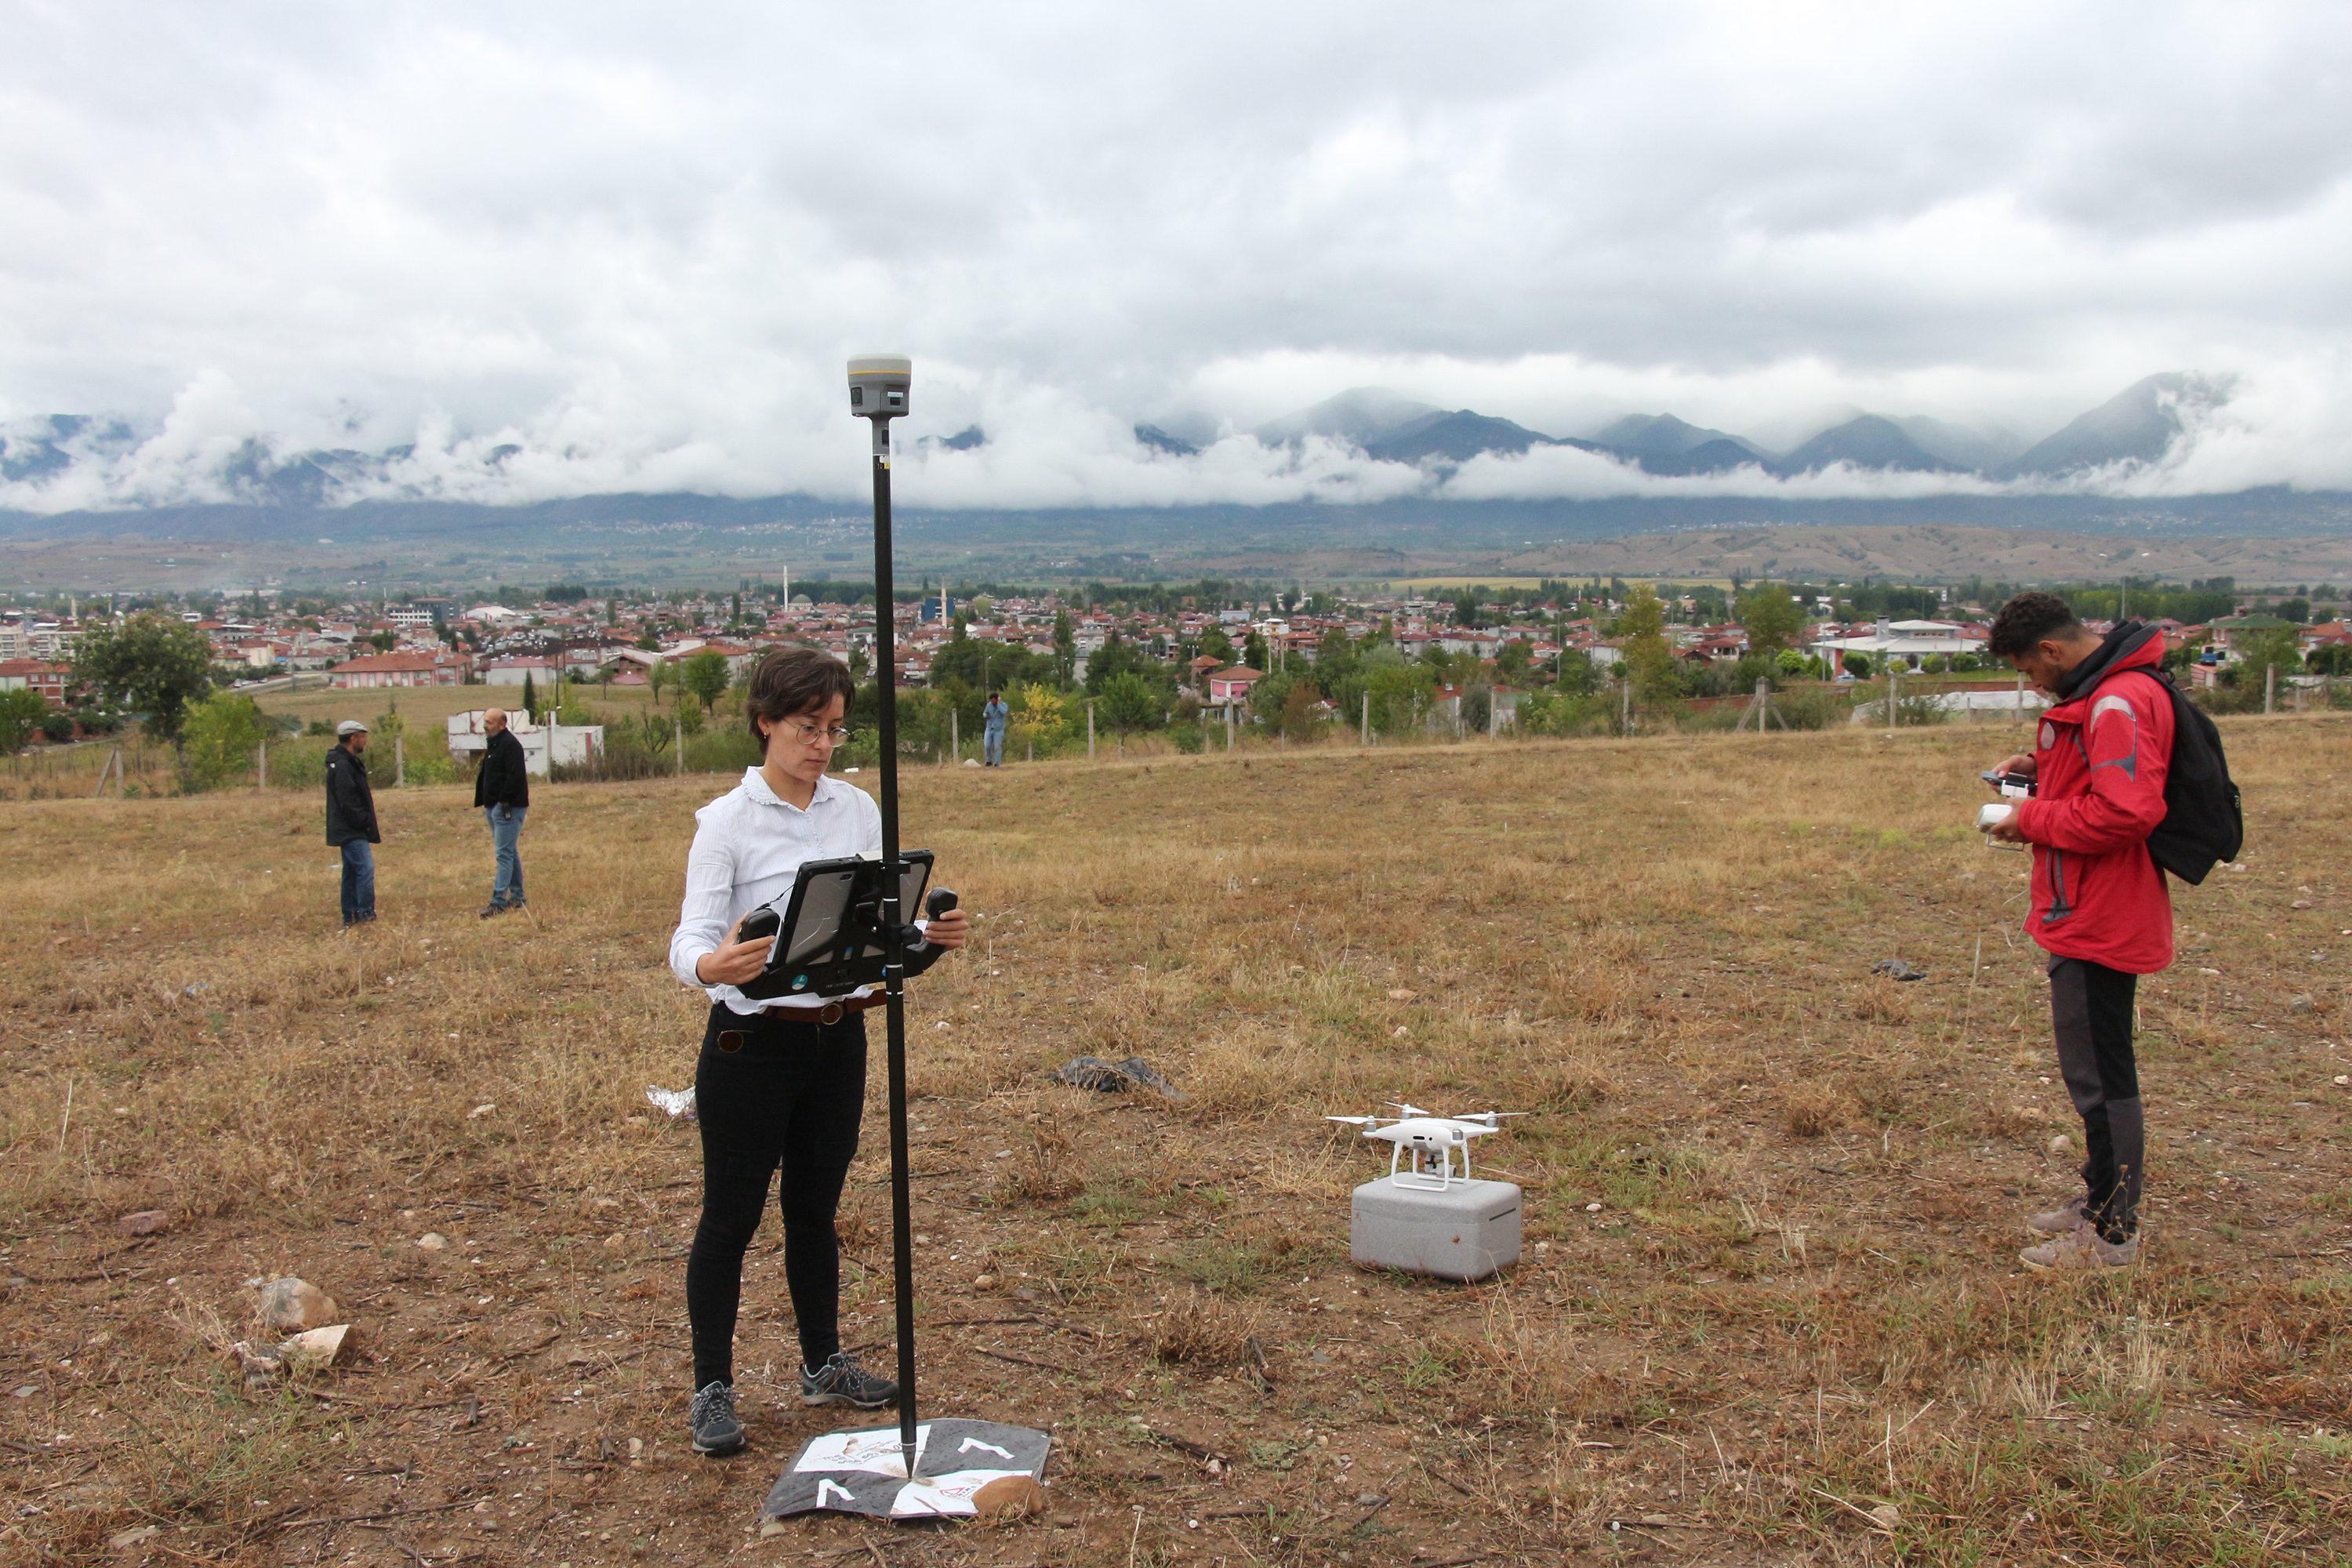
[2203, 824]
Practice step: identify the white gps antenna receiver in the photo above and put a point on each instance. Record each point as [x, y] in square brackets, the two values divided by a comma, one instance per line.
[877, 391]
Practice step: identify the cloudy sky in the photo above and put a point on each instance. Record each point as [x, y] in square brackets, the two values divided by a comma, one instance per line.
[638, 241]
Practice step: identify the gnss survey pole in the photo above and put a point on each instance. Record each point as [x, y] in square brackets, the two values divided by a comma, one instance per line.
[877, 391]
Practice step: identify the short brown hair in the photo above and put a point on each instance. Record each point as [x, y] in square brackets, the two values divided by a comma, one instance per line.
[2028, 619]
[790, 681]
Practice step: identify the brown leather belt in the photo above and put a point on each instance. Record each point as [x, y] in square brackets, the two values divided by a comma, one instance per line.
[832, 1012]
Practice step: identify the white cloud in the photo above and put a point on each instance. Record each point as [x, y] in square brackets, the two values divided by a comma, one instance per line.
[637, 245]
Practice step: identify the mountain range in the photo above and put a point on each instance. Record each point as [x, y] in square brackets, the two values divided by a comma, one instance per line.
[2137, 425]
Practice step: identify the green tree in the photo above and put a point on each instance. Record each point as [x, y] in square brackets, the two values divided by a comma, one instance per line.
[1254, 654]
[1770, 618]
[21, 716]
[529, 698]
[1648, 660]
[2331, 658]
[705, 674]
[2260, 650]
[1577, 675]
[1512, 663]
[151, 664]
[1117, 657]
[1065, 644]
[1129, 703]
[1215, 645]
[219, 739]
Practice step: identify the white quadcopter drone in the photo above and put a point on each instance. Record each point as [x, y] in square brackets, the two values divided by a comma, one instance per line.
[1432, 1138]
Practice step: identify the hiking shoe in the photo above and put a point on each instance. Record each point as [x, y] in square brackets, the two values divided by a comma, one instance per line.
[490, 909]
[841, 1381]
[712, 1418]
[2061, 1220]
[2082, 1247]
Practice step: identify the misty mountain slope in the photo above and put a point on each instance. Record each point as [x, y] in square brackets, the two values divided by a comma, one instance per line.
[2138, 424]
[1159, 440]
[1358, 415]
[1666, 433]
[1869, 442]
[46, 445]
[1458, 436]
[1708, 457]
[1982, 450]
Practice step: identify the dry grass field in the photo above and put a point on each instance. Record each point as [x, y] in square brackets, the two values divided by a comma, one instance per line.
[1769, 1309]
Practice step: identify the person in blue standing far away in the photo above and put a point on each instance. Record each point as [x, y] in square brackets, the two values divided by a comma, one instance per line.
[502, 792]
[993, 719]
[351, 819]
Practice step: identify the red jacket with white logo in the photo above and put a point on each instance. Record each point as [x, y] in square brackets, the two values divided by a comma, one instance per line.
[2100, 764]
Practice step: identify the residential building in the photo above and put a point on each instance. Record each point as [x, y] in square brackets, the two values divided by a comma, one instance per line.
[441, 666]
[42, 676]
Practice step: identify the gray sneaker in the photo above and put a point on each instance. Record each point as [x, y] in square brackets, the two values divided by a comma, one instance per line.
[841, 1381]
[712, 1416]
[2062, 1220]
[2082, 1247]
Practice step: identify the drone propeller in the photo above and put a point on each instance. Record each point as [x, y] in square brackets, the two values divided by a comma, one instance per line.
[1491, 1117]
[1356, 1121]
[1409, 1110]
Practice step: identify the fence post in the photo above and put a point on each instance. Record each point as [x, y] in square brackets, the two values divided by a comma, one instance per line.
[678, 730]
[955, 733]
[1893, 696]
[1763, 696]
[399, 764]
[261, 766]
[2269, 687]
[1367, 739]
[1229, 728]
[1626, 724]
[1090, 729]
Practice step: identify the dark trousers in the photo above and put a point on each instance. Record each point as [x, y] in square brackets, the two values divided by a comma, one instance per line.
[359, 881]
[789, 1095]
[2091, 1013]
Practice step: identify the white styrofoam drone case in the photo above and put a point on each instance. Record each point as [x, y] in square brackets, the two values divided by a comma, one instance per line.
[1467, 1229]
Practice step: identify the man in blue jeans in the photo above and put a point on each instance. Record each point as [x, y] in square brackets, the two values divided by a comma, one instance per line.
[991, 718]
[502, 794]
[351, 819]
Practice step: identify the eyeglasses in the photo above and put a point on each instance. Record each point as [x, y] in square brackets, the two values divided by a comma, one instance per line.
[811, 734]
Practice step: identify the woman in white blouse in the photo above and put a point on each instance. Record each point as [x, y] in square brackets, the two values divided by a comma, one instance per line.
[779, 1083]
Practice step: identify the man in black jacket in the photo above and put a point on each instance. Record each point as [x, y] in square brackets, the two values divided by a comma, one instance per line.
[502, 792]
[351, 819]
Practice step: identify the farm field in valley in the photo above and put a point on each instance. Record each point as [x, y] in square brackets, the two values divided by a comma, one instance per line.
[1770, 1308]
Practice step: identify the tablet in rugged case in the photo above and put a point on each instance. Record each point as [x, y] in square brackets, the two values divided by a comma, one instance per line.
[831, 939]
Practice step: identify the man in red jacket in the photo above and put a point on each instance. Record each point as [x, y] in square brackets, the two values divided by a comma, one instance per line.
[2099, 906]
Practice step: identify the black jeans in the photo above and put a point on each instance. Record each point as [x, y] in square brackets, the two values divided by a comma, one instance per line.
[788, 1094]
[2091, 1013]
